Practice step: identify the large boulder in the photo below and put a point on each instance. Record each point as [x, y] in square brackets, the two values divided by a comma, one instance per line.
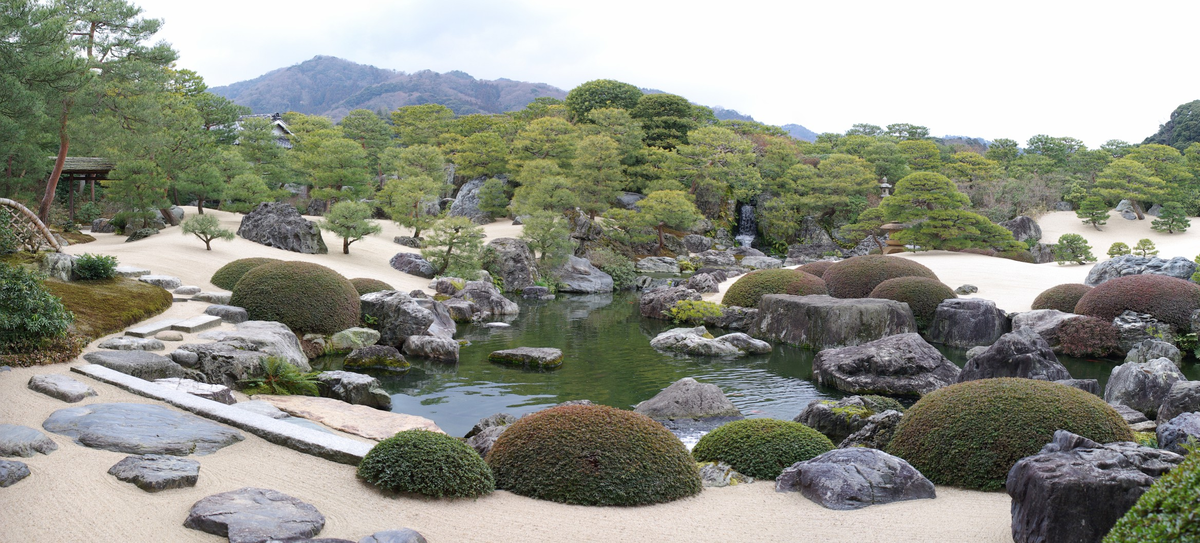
[511, 260]
[1023, 353]
[466, 203]
[629, 200]
[436, 348]
[718, 259]
[1184, 397]
[732, 318]
[377, 357]
[819, 322]
[688, 399]
[854, 478]
[1178, 433]
[280, 226]
[60, 266]
[1142, 386]
[703, 282]
[876, 433]
[1178, 267]
[655, 303]
[761, 263]
[443, 322]
[903, 364]
[692, 341]
[140, 364]
[1074, 489]
[140, 429]
[538, 358]
[1150, 349]
[412, 264]
[837, 419]
[353, 388]
[580, 276]
[696, 243]
[397, 316]
[234, 355]
[487, 299]
[1023, 228]
[967, 322]
[1134, 328]
[1046, 322]
[657, 264]
[255, 515]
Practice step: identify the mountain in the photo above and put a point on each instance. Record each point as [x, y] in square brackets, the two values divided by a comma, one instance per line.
[723, 114]
[799, 132]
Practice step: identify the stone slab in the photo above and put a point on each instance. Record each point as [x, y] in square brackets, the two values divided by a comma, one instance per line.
[155, 472]
[130, 271]
[151, 328]
[61, 387]
[139, 428]
[359, 420]
[197, 323]
[24, 441]
[255, 515]
[12, 471]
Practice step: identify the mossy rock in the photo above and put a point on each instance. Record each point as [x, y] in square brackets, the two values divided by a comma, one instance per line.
[307, 297]
[427, 463]
[231, 273]
[857, 277]
[761, 448]
[534, 358]
[366, 285]
[377, 357]
[750, 288]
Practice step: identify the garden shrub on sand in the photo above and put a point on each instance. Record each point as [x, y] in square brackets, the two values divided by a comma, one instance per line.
[1089, 337]
[429, 463]
[307, 297]
[366, 285]
[29, 313]
[593, 455]
[750, 288]
[1061, 297]
[89, 266]
[970, 434]
[761, 448]
[857, 277]
[229, 274]
[1167, 512]
[922, 295]
[1167, 299]
[816, 268]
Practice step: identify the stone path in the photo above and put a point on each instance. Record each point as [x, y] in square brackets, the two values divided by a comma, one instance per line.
[61, 387]
[255, 515]
[155, 472]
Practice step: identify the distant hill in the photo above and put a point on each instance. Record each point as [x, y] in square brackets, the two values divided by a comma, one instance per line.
[799, 132]
[730, 115]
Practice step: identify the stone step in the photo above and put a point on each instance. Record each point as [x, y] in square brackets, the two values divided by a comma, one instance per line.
[149, 329]
[197, 323]
[130, 271]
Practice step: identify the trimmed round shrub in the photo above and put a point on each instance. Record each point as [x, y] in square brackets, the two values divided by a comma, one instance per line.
[1166, 513]
[428, 463]
[761, 448]
[366, 285]
[307, 297]
[593, 455]
[1167, 299]
[1089, 337]
[857, 277]
[1061, 297]
[750, 288]
[970, 434]
[229, 274]
[816, 268]
[922, 295]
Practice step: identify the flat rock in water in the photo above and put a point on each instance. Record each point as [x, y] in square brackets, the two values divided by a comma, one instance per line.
[12, 471]
[24, 441]
[140, 429]
[528, 357]
[130, 343]
[688, 399]
[404, 535]
[855, 478]
[216, 393]
[140, 364]
[359, 420]
[255, 515]
[155, 472]
[63, 387]
[440, 349]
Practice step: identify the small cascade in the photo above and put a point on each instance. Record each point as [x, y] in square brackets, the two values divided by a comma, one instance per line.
[746, 226]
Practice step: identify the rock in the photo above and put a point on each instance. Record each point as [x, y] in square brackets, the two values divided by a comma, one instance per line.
[255, 515]
[1134, 328]
[513, 262]
[1075, 489]
[1125, 208]
[61, 387]
[491, 421]
[819, 322]
[353, 338]
[1046, 322]
[409, 241]
[155, 472]
[216, 393]
[876, 433]
[1063, 206]
[1087, 385]
[466, 203]
[732, 318]
[703, 282]
[746, 252]
[396, 315]
[720, 474]
[404, 535]
[130, 271]
[261, 338]
[376, 357]
[903, 364]
[655, 303]
[140, 364]
[280, 226]
[12, 471]
[169, 335]
[1132, 416]
[1150, 349]
[657, 264]
[263, 408]
[483, 441]
[187, 290]
[24, 441]
[412, 264]
[688, 399]
[718, 258]
[434, 348]
[443, 322]
[629, 200]
[141, 234]
[1184, 397]
[692, 341]
[102, 226]
[165, 281]
[5, 368]
[488, 300]
[967, 322]
[130, 343]
[1023, 353]
[837, 419]
[228, 313]
[966, 289]
[580, 276]
[1155, 210]
[1043, 253]
[1179, 432]
[354, 388]
[761, 263]
[173, 215]
[746, 343]
[1142, 386]
[854, 478]
[359, 420]
[460, 310]
[1120, 266]
[60, 266]
[696, 243]
[1023, 229]
[140, 429]
[213, 297]
[539, 358]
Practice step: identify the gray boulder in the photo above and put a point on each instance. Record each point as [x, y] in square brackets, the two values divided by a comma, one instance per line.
[1023, 353]
[703, 282]
[353, 388]
[489, 302]
[1125, 208]
[966, 289]
[1046, 322]
[235, 355]
[819, 322]
[377, 357]
[216, 393]
[461, 310]
[228, 313]
[11, 472]
[443, 322]
[655, 303]
[140, 364]
[498, 419]
[761, 263]
[657, 264]
[903, 364]
[1142, 386]
[408, 241]
[102, 226]
[130, 343]
[213, 297]
[837, 419]
[141, 234]
[580, 276]
[876, 433]
[629, 200]
[746, 343]
[140, 429]
[61, 387]
[403, 535]
[485, 439]
[512, 261]
[1134, 328]
[1121, 266]
[1043, 253]
[688, 399]
[1023, 228]
[397, 316]
[732, 318]
[466, 203]
[280, 226]
[432, 347]
[155, 472]
[24, 441]
[720, 259]
[255, 515]
[1184, 397]
[967, 322]
[60, 266]
[165, 281]
[691, 341]
[696, 243]
[539, 358]
[854, 478]
[1150, 349]
[536, 293]
[353, 338]
[1091, 386]
[412, 264]
[720, 474]
[1181, 431]
[187, 290]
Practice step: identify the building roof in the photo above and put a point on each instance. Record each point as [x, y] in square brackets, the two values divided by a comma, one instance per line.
[84, 164]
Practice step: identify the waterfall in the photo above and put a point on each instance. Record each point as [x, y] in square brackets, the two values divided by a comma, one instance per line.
[746, 226]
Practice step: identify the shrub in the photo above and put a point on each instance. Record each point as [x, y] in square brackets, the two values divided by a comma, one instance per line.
[1118, 249]
[750, 288]
[278, 376]
[922, 295]
[1145, 247]
[1073, 248]
[1061, 297]
[970, 434]
[308, 298]
[816, 268]
[88, 212]
[616, 265]
[1019, 256]
[693, 311]
[229, 274]
[429, 463]
[761, 447]
[593, 455]
[8, 238]
[29, 313]
[1166, 298]
[366, 285]
[857, 277]
[89, 266]
[1087, 337]
[1166, 512]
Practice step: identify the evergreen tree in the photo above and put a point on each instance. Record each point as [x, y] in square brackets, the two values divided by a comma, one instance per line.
[660, 210]
[1073, 248]
[935, 211]
[407, 201]
[1126, 179]
[454, 247]
[549, 235]
[351, 221]
[1117, 249]
[1171, 219]
[206, 228]
[1145, 247]
[1093, 211]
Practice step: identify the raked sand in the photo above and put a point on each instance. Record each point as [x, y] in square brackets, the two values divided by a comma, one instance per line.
[70, 496]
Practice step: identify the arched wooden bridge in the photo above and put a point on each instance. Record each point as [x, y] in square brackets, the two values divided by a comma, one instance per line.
[25, 225]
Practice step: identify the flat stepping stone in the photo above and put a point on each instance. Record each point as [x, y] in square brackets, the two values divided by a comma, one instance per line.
[213, 297]
[255, 515]
[197, 324]
[12, 471]
[132, 343]
[149, 329]
[165, 281]
[140, 429]
[262, 408]
[130, 271]
[140, 364]
[24, 441]
[169, 335]
[541, 358]
[228, 313]
[359, 420]
[187, 290]
[216, 393]
[5, 368]
[63, 387]
[155, 472]
[403, 535]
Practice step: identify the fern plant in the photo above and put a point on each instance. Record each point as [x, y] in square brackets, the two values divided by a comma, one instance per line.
[282, 378]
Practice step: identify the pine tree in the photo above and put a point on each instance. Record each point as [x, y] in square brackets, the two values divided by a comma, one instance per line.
[1171, 218]
[1073, 248]
[351, 221]
[1145, 247]
[1093, 211]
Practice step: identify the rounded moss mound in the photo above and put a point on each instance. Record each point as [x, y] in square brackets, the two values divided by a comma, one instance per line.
[857, 277]
[1167, 299]
[366, 285]
[922, 295]
[1166, 512]
[429, 463]
[816, 268]
[231, 273]
[1061, 297]
[970, 434]
[593, 455]
[750, 288]
[308, 298]
[761, 448]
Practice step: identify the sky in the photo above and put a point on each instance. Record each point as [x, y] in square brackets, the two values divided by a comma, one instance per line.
[1091, 70]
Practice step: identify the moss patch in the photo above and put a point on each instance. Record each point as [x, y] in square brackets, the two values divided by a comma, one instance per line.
[104, 306]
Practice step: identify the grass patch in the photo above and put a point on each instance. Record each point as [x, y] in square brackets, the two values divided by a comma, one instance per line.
[104, 306]
[77, 238]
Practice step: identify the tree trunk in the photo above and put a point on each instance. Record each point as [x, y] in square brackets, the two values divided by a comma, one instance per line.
[64, 145]
[207, 244]
[1137, 208]
[71, 201]
[345, 246]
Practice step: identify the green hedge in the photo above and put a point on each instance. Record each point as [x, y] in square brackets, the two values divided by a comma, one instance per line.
[1061, 297]
[429, 463]
[750, 288]
[307, 297]
[366, 285]
[231, 273]
[1167, 299]
[922, 295]
[816, 268]
[857, 277]
[761, 448]
[1167, 512]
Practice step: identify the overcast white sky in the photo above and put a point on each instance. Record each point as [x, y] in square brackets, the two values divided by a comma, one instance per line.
[1094, 70]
